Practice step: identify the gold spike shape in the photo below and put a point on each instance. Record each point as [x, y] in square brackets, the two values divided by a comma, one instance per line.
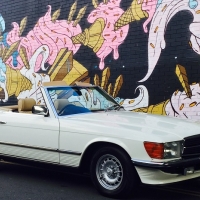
[22, 25]
[1, 51]
[118, 85]
[105, 1]
[105, 77]
[4, 51]
[10, 50]
[55, 15]
[95, 3]
[72, 11]
[182, 76]
[24, 57]
[133, 13]
[110, 89]
[96, 80]
[80, 15]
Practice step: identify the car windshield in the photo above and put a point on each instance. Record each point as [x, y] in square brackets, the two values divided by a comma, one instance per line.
[75, 100]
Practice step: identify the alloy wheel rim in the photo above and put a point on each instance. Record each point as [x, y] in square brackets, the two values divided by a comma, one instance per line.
[109, 172]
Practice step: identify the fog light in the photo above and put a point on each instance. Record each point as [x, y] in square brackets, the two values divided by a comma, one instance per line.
[188, 170]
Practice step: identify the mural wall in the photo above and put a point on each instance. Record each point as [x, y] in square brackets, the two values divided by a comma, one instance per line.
[145, 53]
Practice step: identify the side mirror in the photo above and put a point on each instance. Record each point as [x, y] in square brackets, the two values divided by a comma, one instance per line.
[40, 110]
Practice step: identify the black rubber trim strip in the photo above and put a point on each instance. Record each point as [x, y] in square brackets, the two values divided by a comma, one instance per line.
[181, 163]
[43, 149]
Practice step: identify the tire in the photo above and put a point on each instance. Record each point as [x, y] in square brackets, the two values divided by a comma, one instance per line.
[112, 173]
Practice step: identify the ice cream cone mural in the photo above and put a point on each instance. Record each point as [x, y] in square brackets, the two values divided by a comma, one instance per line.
[133, 13]
[14, 83]
[110, 26]
[50, 31]
[66, 68]
[47, 47]
[162, 16]
[101, 36]
[182, 104]
[92, 37]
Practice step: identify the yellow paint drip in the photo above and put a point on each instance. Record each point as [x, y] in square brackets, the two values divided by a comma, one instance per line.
[190, 44]
[152, 45]
[198, 12]
[131, 101]
[164, 8]
[176, 92]
[193, 104]
[34, 75]
[182, 106]
[121, 102]
[156, 29]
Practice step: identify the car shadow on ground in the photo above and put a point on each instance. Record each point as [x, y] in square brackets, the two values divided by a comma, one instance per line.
[24, 182]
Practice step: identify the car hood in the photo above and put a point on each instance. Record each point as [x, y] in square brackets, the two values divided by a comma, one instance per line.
[130, 125]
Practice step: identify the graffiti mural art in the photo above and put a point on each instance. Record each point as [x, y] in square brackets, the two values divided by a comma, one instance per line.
[116, 44]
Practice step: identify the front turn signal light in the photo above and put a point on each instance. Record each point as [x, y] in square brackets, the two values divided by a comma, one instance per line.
[154, 150]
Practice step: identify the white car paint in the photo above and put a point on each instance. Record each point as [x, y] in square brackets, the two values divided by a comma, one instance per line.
[52, 138]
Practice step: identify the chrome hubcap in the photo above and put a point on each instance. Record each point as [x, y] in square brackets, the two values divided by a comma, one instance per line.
[109, 172]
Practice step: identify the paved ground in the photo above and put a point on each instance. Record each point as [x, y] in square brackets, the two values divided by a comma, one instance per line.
[25, 183]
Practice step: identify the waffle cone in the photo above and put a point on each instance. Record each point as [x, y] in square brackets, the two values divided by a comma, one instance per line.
[133, 13]
[79, 39]
[16, 82]
[91, 37]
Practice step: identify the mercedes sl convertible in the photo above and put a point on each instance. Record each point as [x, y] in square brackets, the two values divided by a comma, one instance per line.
[83, 127]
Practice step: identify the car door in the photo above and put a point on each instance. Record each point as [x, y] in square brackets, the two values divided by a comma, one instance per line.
[29, 136]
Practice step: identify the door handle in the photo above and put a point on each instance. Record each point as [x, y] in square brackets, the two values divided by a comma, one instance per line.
[1, 122]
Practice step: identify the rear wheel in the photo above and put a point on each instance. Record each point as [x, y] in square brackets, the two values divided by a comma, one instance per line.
[113, 173]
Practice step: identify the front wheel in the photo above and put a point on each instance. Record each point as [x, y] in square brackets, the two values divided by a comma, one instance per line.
[113, 173]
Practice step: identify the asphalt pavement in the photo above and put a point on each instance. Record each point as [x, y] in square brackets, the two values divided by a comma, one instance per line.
[19, 182]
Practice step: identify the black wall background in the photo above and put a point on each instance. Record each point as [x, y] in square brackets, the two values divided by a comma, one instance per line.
[133, 52]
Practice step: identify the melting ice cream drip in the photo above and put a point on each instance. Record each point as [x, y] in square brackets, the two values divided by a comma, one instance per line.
[110, 12]
[161, 18]
[150, 7]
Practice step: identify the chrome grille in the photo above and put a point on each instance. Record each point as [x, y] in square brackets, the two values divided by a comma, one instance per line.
[191, 147]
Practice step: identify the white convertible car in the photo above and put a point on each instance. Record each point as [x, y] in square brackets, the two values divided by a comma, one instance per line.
[83, 127]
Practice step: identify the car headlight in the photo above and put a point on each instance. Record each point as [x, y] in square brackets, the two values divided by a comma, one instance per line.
[164, 150]
[172, 149]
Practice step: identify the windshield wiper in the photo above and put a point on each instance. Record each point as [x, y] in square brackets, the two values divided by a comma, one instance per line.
[114, 107]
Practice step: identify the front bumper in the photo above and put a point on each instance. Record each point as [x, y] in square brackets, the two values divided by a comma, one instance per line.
[175, 166]
[167, 172]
